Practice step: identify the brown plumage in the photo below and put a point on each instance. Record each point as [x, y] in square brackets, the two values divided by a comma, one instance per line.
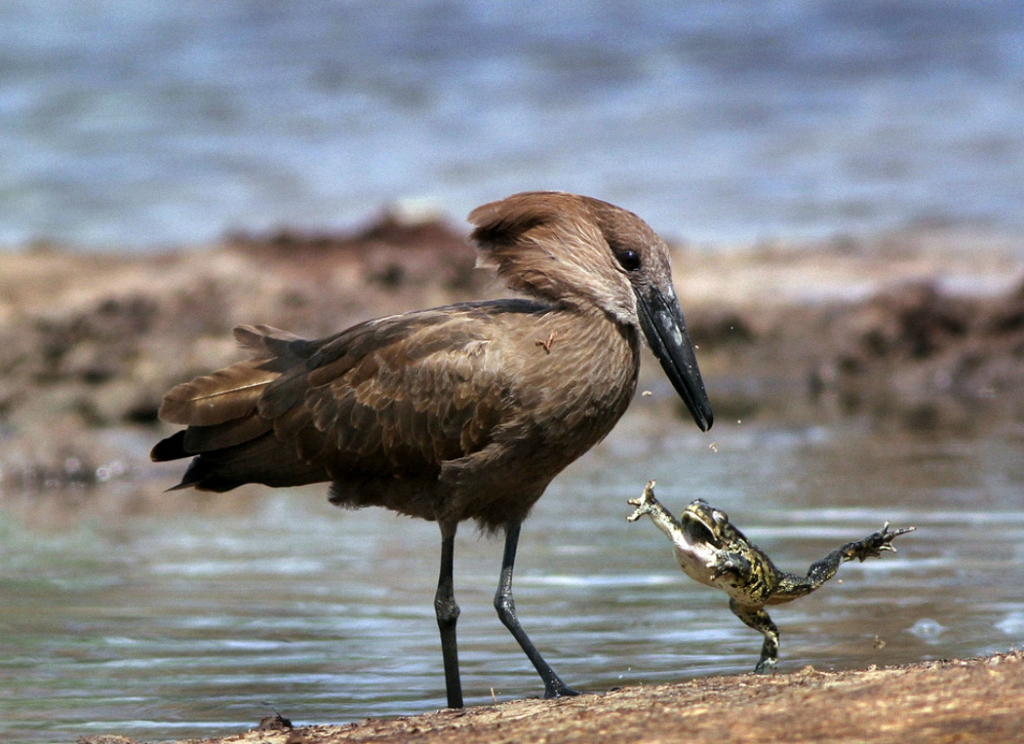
[461, 412]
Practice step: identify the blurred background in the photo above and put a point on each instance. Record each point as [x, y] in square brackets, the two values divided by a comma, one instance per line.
[138, 124]
[843, 186]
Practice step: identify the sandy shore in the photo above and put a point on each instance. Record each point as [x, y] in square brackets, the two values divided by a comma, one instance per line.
[974, 700]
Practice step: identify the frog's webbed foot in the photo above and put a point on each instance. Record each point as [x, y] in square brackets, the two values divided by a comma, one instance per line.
[646, 504]
[873, 545]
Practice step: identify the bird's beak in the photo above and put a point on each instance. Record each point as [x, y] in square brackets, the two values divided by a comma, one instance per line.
[661, 319]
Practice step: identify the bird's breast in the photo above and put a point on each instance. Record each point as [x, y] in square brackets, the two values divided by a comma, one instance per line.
[573, 379]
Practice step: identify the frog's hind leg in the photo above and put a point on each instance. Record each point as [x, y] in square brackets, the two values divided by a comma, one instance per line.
[757, 618]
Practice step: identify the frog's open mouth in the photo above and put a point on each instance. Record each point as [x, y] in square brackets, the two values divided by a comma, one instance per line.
[697, 531]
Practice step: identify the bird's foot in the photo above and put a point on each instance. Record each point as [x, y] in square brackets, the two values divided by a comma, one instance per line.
[873, 545]
[645, 504]
[559, 689]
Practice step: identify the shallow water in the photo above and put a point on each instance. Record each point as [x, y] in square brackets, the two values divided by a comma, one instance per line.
[199, 623]
[135, 124]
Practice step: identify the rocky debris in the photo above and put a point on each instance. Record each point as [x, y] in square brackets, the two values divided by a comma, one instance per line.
[392, 252]
[916, 349]
[91, 343]
[714, 328]
[911, 353]
[107, 361]
[276, 722]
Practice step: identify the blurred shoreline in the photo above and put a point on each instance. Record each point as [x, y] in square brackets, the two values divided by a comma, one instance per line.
[922, 328]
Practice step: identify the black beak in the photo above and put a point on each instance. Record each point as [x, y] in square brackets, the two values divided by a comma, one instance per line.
[662, 322]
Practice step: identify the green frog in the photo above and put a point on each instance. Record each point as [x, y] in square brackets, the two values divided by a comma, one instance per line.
[712, 551]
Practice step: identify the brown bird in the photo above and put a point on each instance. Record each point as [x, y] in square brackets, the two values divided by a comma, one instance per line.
[461, 412]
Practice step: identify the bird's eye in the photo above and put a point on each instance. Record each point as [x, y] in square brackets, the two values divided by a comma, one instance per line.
[628, 259]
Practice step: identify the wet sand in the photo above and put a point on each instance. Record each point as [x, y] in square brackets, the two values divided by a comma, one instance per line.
[974, 700]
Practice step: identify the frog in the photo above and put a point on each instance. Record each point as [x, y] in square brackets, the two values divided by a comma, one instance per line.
[713, 551]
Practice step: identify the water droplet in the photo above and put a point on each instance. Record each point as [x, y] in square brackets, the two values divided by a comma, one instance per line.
[1012, 624]
[927, 629]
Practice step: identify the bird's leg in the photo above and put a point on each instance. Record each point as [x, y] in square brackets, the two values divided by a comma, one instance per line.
[506, 607]
[447, 615]
[757, 618]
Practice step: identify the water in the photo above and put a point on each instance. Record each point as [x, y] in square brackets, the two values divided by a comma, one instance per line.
[136, 124]
[202, 621]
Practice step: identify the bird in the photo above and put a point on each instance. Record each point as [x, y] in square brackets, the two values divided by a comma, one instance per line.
[461, 412]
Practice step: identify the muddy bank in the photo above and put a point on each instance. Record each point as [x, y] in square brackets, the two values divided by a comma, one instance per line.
[912, 354]
[975, 700]
[910, 328]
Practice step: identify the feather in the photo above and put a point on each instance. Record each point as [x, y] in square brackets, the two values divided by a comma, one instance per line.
[209, 438]
[172, 448]
[263, 340]
[227, 394]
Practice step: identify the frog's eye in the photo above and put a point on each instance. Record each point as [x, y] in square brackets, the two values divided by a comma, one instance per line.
[719, 517]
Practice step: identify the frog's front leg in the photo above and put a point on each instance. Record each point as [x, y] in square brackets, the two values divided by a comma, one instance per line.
[757, 618]
[731, 563]
[661, 516]
[646, 504]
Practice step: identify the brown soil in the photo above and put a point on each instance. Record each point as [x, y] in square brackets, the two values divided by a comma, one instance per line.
[977, 700]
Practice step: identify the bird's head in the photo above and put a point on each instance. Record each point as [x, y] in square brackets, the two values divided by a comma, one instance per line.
[589, 254]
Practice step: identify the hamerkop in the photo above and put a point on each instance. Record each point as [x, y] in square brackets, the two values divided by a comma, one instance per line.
[461, 412]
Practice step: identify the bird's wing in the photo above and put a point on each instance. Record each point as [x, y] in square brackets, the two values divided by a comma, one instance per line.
[397, 396]
[394, 397]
